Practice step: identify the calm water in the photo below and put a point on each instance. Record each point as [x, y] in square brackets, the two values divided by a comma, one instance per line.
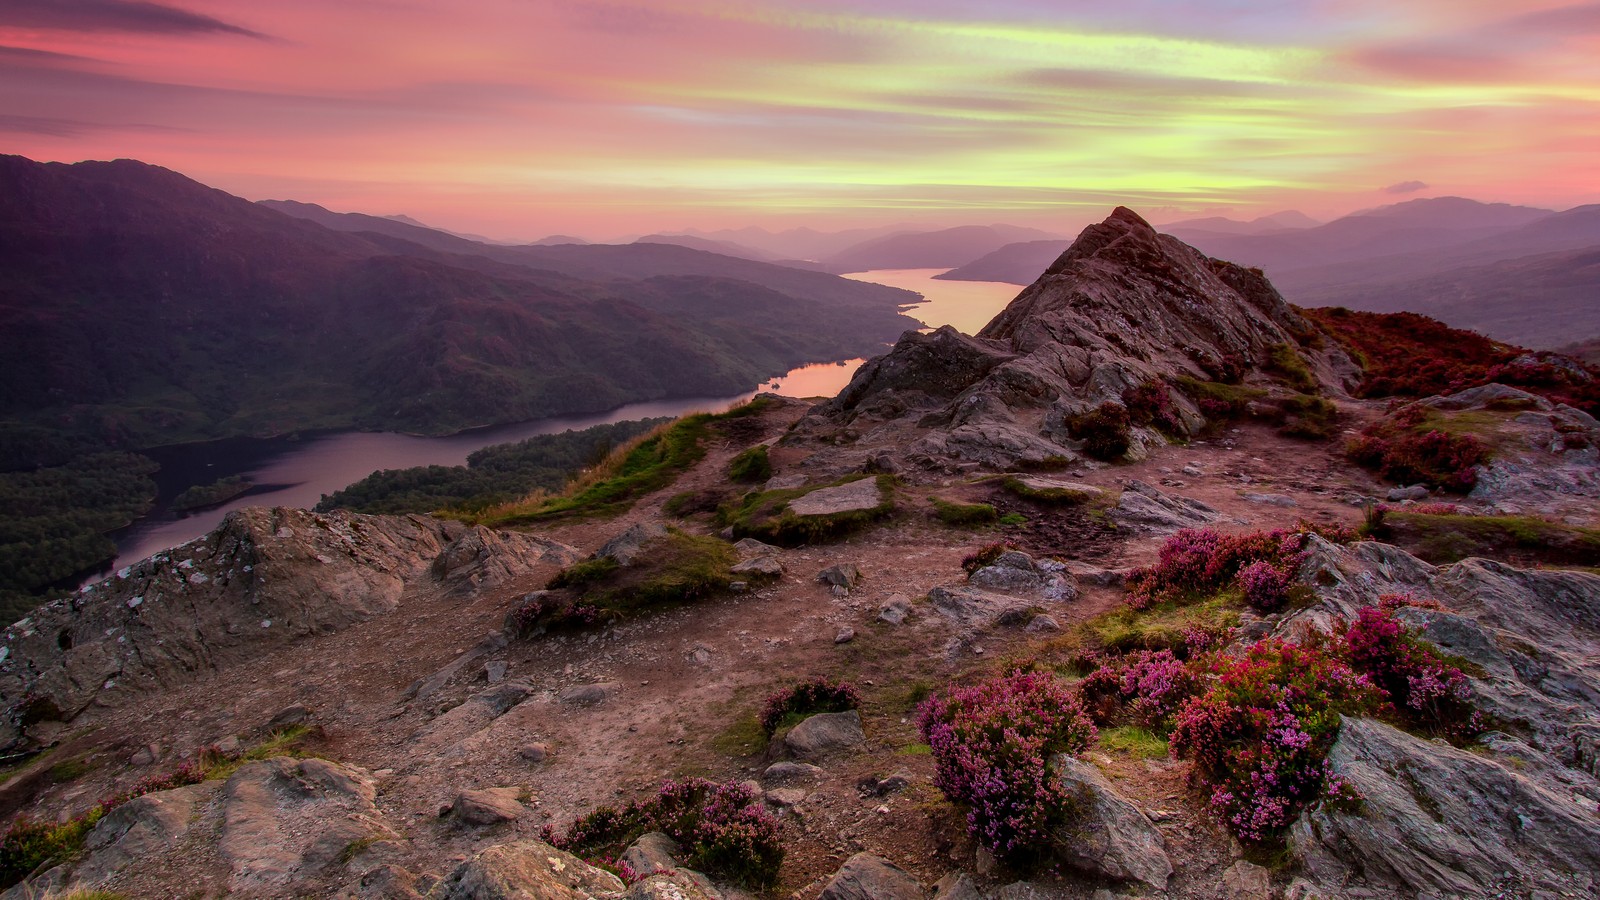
[298, 471]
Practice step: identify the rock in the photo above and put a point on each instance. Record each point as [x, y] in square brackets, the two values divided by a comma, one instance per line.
[825, 734]
[750, 548]
[1282, 500]
[1246, 881]
[784, 773]
[285, 820]
[482, 559]
[1193, 471]
[957, 886]
[784, 798]
[785, 482]
[487, 807]
[845, 635]
[679, 884]
[1085, 573]
[759, 567]
[1108, 835]
[289, 717]
[536, 752]
[140, 828]
[262, 577]
[494, 671]
[881, 463]
[626, 547]
[1145, 510]
[1017, 572]
[844, 575]
[145, 756]
[1058, 491]
[588, 694]
[894, 610]
[883, 787]
[1479, 397]
[1042, 623]
[1414, 492]
[854, 496]
[972, 608]
[868, 877]
[386, 882]
[1438, 821]
[525, 870]
[650, 853]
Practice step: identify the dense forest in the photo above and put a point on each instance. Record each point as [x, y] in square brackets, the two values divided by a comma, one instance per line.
[493, 475]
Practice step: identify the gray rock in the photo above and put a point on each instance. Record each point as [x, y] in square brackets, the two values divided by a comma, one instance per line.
[1414, 492]
[286, 820]
[1282, 500]
[288, 717]
[1017, 572]
[759, 567]
[785, 482]
[653, 852]
[825, 734]
[1479, 397]
[785, 773]
[145, 756]
[386, 882]
[1437, 821]
[1108, 835]
[1058, 490]
[1246, 881]
[588, 694]
[868, 877]
[845, 635]
[783, 798]
[894, 610]
[972, 608]
[957, 886]
[750, 548]
[854, 496]
[535, 752]
[483, 559]
[844, 575]
[140, 828]
[491, 806]
[525, 870]
[1042, 623]
[1143, 509]
[626, 547]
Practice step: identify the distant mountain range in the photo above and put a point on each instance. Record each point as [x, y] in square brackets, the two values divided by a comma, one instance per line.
[1517, 273]
[1283, 221]
[141, 307]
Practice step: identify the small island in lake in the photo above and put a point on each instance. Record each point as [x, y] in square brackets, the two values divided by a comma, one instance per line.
[201, 496]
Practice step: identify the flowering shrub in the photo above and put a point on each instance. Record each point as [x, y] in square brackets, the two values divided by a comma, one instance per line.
[1146, 688]
[541, 611]
[991, 745]
[724, 829]
[1150, 403]
[1259, 735]
[1197, 562]
[815, 696]
[1265, 585]
[985, 556]
[1426, 692]
[1401, 449]
[1104, 431]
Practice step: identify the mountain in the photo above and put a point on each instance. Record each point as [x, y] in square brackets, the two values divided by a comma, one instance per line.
[556, 239]
[1011, 263]
[1281, 221]
[942, 249]
[799, 243]
[725, 248]
[1456, 212]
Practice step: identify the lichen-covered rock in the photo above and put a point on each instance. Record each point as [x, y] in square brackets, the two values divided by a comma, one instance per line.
[490, 806]
[868, 877]
[1018, 572]
[482, 559]
[1438, 821]
[824, 734]
[526, 870]
[1143, 509]
[626, 547]
[1106, 834]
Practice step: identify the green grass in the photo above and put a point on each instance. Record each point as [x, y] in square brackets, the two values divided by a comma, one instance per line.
[742, 737]
[1011, 519]
[915, 750]
[357, 847]
[1450, 538]
[1287, 362]
[1160, 627]
[964, 515]
[751, 466]
[1134, 741]
[765, 515]
[680, 568]
[70, 770]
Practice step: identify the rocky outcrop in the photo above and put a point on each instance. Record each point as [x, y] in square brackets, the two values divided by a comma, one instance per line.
[526, 870]
[1122, 307]
[868, 877]
[1143, 509]
[1017, 572]
[1106, 834]
[1442, 822]
[262, 577]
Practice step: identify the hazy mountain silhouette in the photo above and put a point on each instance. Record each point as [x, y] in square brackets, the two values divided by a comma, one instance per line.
[941, 249]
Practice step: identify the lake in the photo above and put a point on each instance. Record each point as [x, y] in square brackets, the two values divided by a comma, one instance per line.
[297, 471]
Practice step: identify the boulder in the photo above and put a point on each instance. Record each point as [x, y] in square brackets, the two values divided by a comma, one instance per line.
[825, 734]
[288, 820]
[136, 830]
[759, 567]
[1056, 490]
[971, 608]
[1143, 509]
[894, 610]
[862, 495]
[626, 547]
[1016, 572]
[492, 806]
[588, 694]
[1438, 821]
[1246, 881]
[526, 870]
[483, 559]
[868, 877]
[844, 575]
[1107, 835]
[750, 548]
[784, 773]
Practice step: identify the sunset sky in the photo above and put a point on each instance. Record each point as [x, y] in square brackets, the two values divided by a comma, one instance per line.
[518, 118]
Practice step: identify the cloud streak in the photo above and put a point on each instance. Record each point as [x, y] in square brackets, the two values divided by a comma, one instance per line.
[113, 15]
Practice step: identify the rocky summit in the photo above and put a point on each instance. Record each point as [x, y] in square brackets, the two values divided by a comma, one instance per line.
[1153, 588]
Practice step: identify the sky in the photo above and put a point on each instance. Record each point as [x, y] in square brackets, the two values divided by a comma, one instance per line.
[519, 118]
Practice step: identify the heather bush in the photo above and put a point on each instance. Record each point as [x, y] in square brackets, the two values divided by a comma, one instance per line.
[1265, 585]
[1426, 692]
[1143, 688]
[818, 695]
[1150, 403]
[541, 611]
[1104, 431]
[1198, 562]
[985, 556]
[1400, 448]
[1260, 733]
[992, 743]
[724, 830]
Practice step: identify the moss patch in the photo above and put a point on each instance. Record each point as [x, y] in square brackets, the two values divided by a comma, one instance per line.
[751, 466]
[680, 568]
[1449, 538]
[1134, 741]
[964, 515]
[765, 515]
